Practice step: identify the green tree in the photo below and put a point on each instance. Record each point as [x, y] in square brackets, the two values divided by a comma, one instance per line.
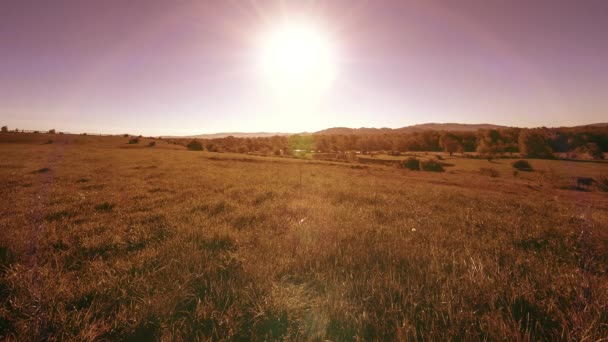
[450, 143]
[594, 151]
[534, 144]
[195, 145]
[490, 142]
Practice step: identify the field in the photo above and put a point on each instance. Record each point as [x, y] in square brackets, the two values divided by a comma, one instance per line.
[102, 240]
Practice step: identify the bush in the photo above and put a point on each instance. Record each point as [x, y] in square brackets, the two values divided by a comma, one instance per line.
[52, 131]
[105, 206]
[432, 165]
[4, 129]
[594, 151]
[134, 141]
[489, 171]
[195, 145]
[411, 163]
[152, 144]
[602, 183]
[439, 157]
[522, 165]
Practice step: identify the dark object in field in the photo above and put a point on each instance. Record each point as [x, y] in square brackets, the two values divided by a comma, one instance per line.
[43, 170]
[411, 163]
[105, 206]
[134, 141]
[522, 165]
[432, 165]
[195, 145]
[489, 171]
[602, 183]
[584, 182]
[152, 144]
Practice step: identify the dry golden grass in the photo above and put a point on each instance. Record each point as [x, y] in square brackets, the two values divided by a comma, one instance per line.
[102, 242]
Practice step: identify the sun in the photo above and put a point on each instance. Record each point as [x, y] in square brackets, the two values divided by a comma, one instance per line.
[297, 58]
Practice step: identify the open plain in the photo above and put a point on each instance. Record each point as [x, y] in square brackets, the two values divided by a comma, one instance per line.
[105, 240]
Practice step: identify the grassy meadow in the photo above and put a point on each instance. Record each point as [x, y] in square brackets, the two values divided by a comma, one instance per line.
[102, 240]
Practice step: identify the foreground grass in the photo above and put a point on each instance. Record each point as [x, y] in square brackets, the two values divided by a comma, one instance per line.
[110, 243]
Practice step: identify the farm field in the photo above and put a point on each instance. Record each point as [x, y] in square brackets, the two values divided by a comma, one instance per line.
[102, 240]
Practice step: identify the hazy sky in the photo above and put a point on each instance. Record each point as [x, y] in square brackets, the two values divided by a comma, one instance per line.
[188, 67]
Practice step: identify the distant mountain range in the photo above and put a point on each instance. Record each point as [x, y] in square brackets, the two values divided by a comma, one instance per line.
[236, 135]
[600, 124]
[456, 127]
[411, 129]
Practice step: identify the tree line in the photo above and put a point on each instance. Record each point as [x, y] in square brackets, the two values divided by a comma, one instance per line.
[536, 143]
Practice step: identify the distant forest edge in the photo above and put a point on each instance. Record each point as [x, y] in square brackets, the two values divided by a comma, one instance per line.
[586, 142]
[579, 142]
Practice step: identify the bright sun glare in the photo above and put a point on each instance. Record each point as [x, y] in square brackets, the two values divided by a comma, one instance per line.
[297, 58]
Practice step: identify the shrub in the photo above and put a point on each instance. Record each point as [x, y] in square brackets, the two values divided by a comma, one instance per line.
[594, 151]
[439, 157]
[4, 129]
[432, 165]
[602, 183]
[522, 165]
[52, 131]
[134, 141]
[105, 207]
[411, 163]
[152, 144]
[489, 171]
[48, 142]
[195, 145]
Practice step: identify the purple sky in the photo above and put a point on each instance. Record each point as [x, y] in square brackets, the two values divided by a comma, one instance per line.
[188, 67]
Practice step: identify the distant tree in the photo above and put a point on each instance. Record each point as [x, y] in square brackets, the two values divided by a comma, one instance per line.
[322, 143]
[594, 151]
[522, 165]
[4, 129]
[52, 131]
[195, 145]
[432, 165]
[300, 142]
[411, 163]
[490, 142]
[450, 143]
[533, 144]
[211, 147]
